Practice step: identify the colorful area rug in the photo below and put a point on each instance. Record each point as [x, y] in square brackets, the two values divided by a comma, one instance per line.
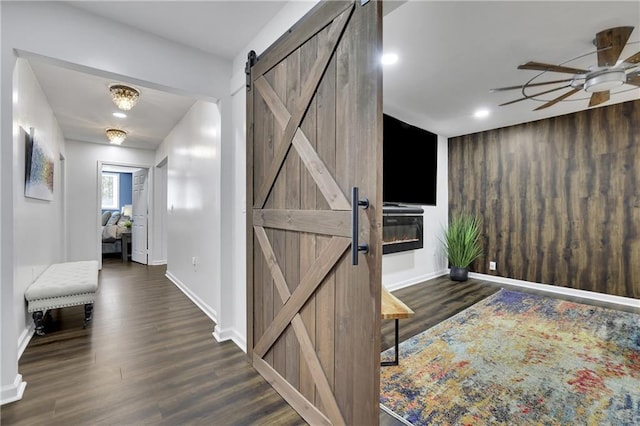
[519, 359]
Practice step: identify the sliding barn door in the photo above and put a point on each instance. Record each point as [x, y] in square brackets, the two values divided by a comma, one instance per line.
[314, 114]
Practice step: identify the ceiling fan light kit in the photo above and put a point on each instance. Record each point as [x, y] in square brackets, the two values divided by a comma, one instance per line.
[609, 73]
[601, 81]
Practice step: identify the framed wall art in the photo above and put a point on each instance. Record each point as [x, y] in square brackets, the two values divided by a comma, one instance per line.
[39, 165]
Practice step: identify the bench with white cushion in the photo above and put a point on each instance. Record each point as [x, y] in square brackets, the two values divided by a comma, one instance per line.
[62, 285]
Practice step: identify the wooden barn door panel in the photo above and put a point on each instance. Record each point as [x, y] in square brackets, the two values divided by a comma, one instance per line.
[314, 132]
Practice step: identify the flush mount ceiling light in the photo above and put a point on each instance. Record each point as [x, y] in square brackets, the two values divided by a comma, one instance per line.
[124, 97]
[481, 113]
[116, 136]
[389, 58]
[119, 114]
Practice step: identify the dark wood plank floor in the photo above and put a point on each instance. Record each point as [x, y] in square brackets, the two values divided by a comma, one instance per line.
[149, 357]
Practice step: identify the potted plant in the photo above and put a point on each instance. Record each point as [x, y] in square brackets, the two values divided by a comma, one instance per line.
[461, 244]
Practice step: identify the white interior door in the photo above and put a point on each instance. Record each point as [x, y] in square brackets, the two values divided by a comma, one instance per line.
[139, 227]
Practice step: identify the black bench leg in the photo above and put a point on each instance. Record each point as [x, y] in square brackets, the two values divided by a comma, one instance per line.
[37, 319]
[88, 314]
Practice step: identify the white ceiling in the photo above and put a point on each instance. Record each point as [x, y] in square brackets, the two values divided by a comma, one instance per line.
[222, 28]
[451, 54]
[83, 107]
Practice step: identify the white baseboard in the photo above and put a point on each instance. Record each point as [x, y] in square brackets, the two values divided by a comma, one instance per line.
[548, 288]
[25, 338]
[222, 335]
[13, 392]
[158, 262]
[208, 310]
[415, 280]
[591, 295]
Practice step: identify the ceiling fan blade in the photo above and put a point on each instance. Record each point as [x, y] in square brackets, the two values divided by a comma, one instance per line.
[558, 99]
[633, 79]
[599, 97]
[610, 44]
[499, 89]
[532, 96]
[539, 66]
[633, 59]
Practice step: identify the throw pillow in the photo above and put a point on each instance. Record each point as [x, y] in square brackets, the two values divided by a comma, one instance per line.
[113, 219]
[105, 217]
[109, 233]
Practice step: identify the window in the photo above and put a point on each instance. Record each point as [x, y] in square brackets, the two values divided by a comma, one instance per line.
[110, 191]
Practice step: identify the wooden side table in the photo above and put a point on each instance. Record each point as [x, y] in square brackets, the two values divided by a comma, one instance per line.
[393, 308]
[126, 240]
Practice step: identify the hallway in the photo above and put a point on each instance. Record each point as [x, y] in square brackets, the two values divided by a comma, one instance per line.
[147, 358]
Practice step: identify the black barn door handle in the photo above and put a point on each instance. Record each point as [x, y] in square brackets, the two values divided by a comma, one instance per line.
[355, 247]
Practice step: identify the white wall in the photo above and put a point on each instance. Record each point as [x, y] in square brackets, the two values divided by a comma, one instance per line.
[37, 224]
[158, 248]
[82, 192]
[232, 287]
[11, 384]
[193, 199]
[236, 294]
[411, 267]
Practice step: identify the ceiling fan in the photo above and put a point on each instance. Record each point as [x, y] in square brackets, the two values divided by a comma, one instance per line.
[610, 73]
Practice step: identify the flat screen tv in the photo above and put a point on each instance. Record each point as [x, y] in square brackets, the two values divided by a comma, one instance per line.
[409, 163]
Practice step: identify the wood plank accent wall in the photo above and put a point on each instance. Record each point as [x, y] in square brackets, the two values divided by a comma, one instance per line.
[559, 198]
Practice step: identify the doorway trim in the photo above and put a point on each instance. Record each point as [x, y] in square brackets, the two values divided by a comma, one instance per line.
[98, 208]
[160, 213]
